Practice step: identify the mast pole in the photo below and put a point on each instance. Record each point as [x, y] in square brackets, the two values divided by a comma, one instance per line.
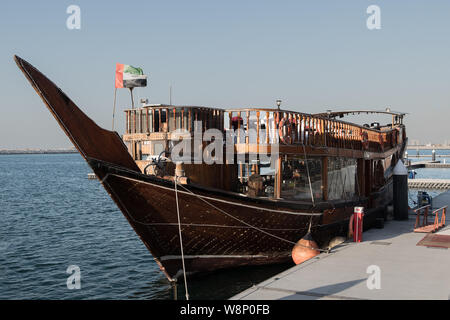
[114, 108]
[132, 100]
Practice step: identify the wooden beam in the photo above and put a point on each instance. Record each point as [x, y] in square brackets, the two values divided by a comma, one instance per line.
[278, 178]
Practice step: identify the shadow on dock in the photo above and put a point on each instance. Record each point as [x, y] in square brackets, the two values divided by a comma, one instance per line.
[328, 291]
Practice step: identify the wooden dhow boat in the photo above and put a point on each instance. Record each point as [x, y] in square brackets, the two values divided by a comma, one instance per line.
[285, 173]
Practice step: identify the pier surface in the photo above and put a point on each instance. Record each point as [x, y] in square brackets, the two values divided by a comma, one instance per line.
[407, 271]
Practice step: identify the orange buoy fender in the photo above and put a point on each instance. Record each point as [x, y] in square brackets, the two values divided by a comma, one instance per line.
[304, 249]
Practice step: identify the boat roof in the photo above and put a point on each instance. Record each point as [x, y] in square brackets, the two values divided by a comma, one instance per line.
[334, 114]
[327, 114]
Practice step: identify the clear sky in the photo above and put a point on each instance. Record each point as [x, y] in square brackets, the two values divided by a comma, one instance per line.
[314, 55]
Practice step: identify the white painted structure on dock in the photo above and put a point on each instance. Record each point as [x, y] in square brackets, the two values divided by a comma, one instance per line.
[429, 183]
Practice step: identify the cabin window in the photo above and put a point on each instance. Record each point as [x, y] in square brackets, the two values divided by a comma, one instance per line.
[295, 182]
[342, 178]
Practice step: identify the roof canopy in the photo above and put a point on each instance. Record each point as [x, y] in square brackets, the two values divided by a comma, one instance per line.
[334, 114]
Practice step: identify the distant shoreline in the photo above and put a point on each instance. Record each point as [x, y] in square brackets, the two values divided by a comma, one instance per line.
[73, 150]
[422, 147]
[38, 151]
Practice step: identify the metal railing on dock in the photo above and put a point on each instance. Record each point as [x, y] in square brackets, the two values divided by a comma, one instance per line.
[425, 226]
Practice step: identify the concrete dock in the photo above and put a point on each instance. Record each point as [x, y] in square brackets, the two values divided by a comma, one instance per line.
[406, 271]
[428, 164]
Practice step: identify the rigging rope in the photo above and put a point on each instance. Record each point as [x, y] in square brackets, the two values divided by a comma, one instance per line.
[231, 216]
[181, 239]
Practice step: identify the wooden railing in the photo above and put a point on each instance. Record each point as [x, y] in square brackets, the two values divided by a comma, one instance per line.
[169, 118]
[262, 126]
[309, 130]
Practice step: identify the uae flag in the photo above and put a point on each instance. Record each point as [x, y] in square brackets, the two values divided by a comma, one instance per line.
[129, 77]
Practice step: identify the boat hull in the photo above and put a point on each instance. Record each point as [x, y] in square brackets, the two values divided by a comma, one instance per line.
[218, 230]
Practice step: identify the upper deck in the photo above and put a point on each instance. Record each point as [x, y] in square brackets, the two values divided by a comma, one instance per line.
[297, 145]
[256, 128]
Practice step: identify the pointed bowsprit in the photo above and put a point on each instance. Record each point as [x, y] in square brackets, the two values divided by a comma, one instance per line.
[92, 141]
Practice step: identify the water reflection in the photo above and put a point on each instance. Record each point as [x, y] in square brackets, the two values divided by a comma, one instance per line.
[214, 286]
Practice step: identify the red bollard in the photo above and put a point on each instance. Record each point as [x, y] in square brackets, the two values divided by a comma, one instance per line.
[358, 224]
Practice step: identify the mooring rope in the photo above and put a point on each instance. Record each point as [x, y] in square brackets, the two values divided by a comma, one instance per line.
[251, 226]
[309, 178]
[181, 239]
[231, 216]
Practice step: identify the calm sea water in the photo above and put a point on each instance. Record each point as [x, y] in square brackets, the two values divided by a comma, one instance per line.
[52, 216]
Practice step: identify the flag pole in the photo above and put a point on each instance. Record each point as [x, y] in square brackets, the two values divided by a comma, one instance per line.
[114, 108]
[132, 100]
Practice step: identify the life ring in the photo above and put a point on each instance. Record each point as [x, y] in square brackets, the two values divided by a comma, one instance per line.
[285, 135]
[365, 140]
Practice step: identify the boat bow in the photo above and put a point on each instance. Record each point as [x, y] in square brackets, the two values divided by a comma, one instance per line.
[92, 141]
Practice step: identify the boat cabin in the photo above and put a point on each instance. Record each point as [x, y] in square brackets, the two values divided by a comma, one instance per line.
[277, 154]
